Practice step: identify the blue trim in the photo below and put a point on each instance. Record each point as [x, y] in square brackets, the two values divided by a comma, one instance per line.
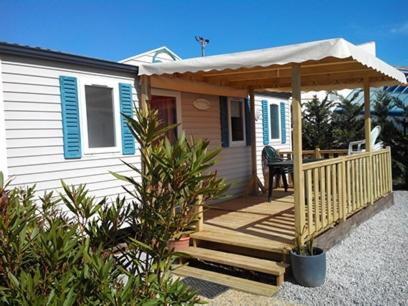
[224, 122]
[265, 122]
[248, 133]
[125, 97]
[283, 122]
[70, 117]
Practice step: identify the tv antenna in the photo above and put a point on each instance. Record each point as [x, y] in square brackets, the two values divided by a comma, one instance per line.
[203, 43]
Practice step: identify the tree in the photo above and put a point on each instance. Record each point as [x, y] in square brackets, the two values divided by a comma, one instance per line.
[391, 135]
[400, 147]
[316, 123]
[347, 123]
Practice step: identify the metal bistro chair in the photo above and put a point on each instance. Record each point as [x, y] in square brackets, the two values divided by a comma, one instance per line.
[270, 155]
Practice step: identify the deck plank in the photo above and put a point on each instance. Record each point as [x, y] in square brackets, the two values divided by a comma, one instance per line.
[252, 222]
[249, 241]
[228, 280]
[235, 260]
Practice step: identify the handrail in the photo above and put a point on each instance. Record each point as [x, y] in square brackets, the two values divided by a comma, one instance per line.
[321, 163]
[316, 153]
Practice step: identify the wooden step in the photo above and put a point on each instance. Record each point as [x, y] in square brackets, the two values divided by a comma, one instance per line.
[242, 240]
[239, 261]
[233, 282]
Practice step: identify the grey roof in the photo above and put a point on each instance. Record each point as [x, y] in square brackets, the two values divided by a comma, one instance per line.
[62, 57]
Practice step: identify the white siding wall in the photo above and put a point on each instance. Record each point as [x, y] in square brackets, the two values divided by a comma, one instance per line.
[34, 138]
[277, 144]
[3, 151]
[234, 163]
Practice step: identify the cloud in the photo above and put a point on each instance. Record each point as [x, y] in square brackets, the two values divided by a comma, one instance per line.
[401, 29]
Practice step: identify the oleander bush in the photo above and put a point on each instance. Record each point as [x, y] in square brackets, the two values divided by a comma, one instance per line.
[72, 249]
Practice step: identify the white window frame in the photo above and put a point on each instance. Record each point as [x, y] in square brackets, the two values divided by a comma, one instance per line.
[177, 95]
[114, 85]
[236, 143]
[274, 140]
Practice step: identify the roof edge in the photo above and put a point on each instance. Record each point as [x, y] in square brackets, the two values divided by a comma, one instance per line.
[151, 51]
[66, 58]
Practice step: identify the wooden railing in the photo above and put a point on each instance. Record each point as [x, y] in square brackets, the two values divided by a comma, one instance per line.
[316, 153]
[336, 188]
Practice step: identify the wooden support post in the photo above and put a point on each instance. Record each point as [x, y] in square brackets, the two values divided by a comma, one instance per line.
[367, 131]
[317, 153]
[254, 178]
[144, 91]
[297, 153]
[200, 213]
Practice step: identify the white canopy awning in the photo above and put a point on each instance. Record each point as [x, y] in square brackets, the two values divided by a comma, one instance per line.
[326, 64]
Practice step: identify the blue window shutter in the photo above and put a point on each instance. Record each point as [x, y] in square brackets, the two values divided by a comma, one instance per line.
[224, 122]
[125, 97]
[248, 133]
[70, 117]
[283, 122]
[265, 122]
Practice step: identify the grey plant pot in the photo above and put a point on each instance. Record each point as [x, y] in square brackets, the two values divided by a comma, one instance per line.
[309, 271]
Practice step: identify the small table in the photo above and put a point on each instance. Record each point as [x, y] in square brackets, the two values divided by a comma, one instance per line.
[279, 164]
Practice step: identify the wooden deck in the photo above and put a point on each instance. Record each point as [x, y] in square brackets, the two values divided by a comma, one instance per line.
[252, 222]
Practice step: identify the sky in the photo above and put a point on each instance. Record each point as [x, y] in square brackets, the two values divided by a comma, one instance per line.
[115, 30]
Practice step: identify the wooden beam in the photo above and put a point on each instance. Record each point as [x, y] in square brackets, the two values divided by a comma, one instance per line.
[254, 178]
[285, 72]
[310, 64]
[187, 85]
[324, 78]
[297, 152]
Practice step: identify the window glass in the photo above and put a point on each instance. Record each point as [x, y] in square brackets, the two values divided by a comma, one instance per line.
[100, 116]
[167, 111]
[237, 120]
[274, 111]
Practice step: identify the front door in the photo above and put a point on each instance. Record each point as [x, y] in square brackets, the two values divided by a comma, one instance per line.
[167, 110]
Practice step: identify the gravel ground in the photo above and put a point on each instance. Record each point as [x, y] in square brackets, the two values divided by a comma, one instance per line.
[370, 267]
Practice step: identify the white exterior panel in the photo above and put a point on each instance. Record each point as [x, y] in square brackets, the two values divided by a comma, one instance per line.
[33, 130]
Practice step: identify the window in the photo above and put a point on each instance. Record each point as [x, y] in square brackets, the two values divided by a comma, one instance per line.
[100, 117]
[274, 122]
[167, 111]
[237, 121]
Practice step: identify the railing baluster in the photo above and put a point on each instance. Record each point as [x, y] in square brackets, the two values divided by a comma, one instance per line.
[389, 169]
[316, 197]
[360, 176]
[329, 194]
[335, 202]
[349, 191]
[323, 196]
[365, 180]
[310, 201]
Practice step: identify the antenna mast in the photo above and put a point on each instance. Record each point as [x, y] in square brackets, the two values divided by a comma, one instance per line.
[203, 43]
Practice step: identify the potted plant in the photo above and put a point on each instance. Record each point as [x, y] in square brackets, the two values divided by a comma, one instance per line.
[308, 264]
